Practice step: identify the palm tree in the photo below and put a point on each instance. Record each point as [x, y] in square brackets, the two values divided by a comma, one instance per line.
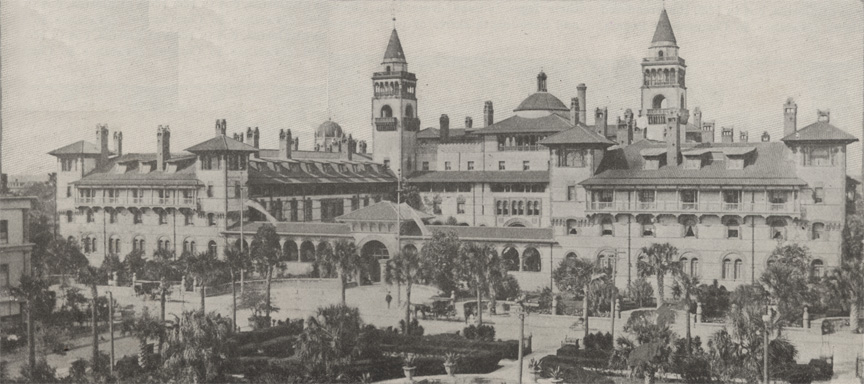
[146, 327]
[201, 266]
[405, 268]
[92, 276]
[197, 347]
[161, 267]
[575, 274]
[344, 260]
[34, 292]
[330, 337]
[481, 267]
[659, 261]
[689, 285]
[236, 261]
[847, 282]
[266, 254]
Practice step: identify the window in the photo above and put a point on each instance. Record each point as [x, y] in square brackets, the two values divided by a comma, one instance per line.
[436, 207]
[238, 190]
[526, 165]
[4, 275]
[647, 223]
[137, 217]
[694, 267]
[189, 246]
[211, 219]
[90, 217]
[112, 216]
[138, 244]
[689, 199]
[114, 245]
[572, 227]
[69, 217]
[164, 244]
[726, 273]
[736, 162]
[646, 199]
[777, 198]
[387, 163]
[603, 199]
[211, 247]
[163, 217]
[733, 229]
[689, 228]
[571, 193]
[210, 190]
[606, 227]
[470, 165]
[731, 200]
[738, 273]
[447, 166]
[817, 268]
[778, 229]
[536, 208]
[818, 231]
[460, 208]
[818, 195]
[818, 156]
[506, 205]
[69, 191]
[425, 165]
[188, 218]
[501, 166]
[531, 260]
[4, 231]
[574, 158]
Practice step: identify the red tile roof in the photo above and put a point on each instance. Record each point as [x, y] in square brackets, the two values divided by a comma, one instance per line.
[80, 147]
[222, 143]
[820, 131]
[664, 32]
[541, 101]
[394, 51]
[768, 166]
[480, 177]
[580, 134]
[516, 124]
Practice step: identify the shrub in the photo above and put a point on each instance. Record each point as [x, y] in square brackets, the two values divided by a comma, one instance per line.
[282, 346]
[483, 332]
[714, 299]
[696, 370]
[568, 350]
[821, 369]
[127, 368]
[416, 328]
[641, 292]
[41, 373]
[261, 335]
[78, 370]
[507, 288]
[598, 341]
[573, 371]
[794, 373]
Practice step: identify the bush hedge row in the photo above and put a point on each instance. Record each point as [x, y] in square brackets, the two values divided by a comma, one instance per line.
[573, 371]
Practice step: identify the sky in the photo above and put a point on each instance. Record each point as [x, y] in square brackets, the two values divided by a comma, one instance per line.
[134, 65]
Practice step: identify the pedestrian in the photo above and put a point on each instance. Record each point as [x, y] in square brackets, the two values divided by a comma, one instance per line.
[388, 299]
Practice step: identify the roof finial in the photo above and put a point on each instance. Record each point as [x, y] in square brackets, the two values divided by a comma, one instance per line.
[393, 12]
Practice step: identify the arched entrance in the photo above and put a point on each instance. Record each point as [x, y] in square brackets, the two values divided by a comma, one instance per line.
[290, 250]
[374, 251]
[307, 252]
[511, 258]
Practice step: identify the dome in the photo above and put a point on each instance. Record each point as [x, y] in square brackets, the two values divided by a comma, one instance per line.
[329, 129]
[541, 101]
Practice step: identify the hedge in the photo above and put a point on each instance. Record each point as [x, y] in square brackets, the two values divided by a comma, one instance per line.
[431, 344]
[279, 347]
[587, 358]
[573, 371]
[264, 334]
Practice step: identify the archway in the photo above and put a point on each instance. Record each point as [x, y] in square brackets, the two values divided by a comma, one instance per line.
[409, 111]
[374, 251]
[511, 258]
[307, 252]
[386, 111]
[531, 260]
[659, 102]
[290, 250]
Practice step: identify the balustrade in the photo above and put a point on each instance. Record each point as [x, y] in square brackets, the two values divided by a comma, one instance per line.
[701, 207]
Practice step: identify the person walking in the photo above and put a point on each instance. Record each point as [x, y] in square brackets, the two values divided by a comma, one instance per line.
[388, 299]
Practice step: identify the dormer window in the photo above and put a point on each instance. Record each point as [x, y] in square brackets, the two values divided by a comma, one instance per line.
[693, 162]
[819, 156]
[652, 164]
[736, 162]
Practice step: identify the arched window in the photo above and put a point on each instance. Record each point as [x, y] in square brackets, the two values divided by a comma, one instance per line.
[511, 258]
[138, 244]
[571, 255]
[86, 241]
[189, 246]
[660, 53]
[211, 247]
[694, 267]
[537, 208]
[659, 102]
[114, 244]
[506, 206]
[647, 223]
[531, 260]
[727, 269]
[817, 268]
[69, 217]
[386, 111]
[164, 244]
[818, 231]
[521, 208]
[409, 111]
[606, 227]
[684, 265]
[778, 229]
[572, 227]
[739, 270]
[290, 250]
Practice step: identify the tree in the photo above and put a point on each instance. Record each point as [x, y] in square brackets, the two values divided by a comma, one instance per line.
[659, 260]
[63, 257]
[39, 302]
[406, 268]
[641, 291]
[266, 254]
[110, 265]
[847, 283]
[655, 340]
[573, 275]
[236, 261]
[197, 348]
[442, 252]
[161, 267]
[147, 327]
[345, 261]
[787, 281]
[330, 338]
[201, 266]
[410, 196]
[134, 264]
[482, 268]
[689, 285]
[92, 276]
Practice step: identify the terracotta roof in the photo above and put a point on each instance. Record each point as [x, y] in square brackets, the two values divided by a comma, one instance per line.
[517, 124]
[136, 157]
[80, 147]
[394, 53]
[268, 171]
[820, 131]
[435, 133]
[541, 101]
[545, 235]
[768, 166]
[580, 134]
[222, 143]
[295, 228]
[383, 211]
[664, 33]
[480, 177]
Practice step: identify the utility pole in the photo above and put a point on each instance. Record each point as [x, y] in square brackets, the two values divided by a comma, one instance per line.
[111, 326]
[521, 335]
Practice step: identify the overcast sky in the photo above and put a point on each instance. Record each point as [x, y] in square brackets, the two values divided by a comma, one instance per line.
[69, 65]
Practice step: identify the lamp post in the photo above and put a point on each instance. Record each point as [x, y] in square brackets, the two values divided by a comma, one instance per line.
[521, 308]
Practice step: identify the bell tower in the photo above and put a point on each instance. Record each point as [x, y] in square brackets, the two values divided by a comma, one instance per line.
[394, 110]
[663, 86]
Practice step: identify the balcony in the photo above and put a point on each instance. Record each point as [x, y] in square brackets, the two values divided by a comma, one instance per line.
[521, 148]
[664, 60]
[386, 123]
[658, 116]
[178, 202]
[788, 208]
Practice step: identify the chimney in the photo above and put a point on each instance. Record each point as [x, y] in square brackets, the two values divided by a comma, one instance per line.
[790, 117]
[118, 143]
[708, 132]
[488, 114]
[444, 126]
[743, 136]
[221, 126]
[238, 137]
[102, 141]
[766, 137]
[297, 143]
[469, 122]
[363, 147]
[600, 123]
[352, 147]
[823, 116]
[697, 117]
[673, 138]
[541, 81]
[727, 134]
[163, 147]
[581, 94]
[574, 111]
[285, 142]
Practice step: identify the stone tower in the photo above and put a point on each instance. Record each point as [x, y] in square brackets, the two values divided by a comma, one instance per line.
[394, 110]
[663, 86]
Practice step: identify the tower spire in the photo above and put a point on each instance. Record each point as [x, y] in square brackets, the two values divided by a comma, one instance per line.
[663, 34]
